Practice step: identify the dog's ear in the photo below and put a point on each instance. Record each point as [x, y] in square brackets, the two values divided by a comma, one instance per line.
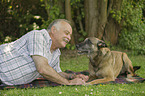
[101, 44]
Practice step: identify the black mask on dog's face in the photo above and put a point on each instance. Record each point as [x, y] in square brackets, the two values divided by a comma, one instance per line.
[90, 45]
[84, 47]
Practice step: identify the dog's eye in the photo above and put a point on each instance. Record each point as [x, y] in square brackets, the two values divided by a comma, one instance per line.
[88, 41]
[101, 44]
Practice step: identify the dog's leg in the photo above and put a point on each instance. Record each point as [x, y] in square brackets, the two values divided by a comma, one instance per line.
[97, 81]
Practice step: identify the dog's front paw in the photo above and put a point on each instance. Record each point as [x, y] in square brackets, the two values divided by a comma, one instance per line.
[86, 84]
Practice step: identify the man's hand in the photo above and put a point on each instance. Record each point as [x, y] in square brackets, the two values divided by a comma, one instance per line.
[71, 76]
[84, 77]
[76, 81]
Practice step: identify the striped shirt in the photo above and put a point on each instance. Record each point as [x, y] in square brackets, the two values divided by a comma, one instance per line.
[16, 65]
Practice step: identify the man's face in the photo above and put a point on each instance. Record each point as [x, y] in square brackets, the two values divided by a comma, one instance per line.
[63, 35]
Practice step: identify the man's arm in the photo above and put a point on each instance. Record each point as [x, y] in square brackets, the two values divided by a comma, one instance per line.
[49, 73]
[68, 76]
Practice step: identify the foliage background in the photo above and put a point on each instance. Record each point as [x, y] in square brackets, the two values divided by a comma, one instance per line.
[17, 17]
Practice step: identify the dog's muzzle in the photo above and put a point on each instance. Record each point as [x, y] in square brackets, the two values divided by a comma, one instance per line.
[83, 49]
[77, 46]
[86, 47]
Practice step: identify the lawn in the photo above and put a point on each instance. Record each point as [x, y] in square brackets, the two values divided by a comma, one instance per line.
[79, 63]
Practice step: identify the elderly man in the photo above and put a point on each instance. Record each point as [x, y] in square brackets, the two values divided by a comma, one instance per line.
[37, 54]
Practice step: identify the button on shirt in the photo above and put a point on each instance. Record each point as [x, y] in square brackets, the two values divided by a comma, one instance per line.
[16, 65]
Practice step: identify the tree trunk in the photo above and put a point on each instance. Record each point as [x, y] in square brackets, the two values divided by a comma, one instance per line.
[61, 6]
[69, 17]
[112, 28]
[98, 20]
[91, 17]
[46, 7]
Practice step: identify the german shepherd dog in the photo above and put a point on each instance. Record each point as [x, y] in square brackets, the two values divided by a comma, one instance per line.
[105, 65]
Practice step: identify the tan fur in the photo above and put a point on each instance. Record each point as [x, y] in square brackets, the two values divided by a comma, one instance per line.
[106, 65]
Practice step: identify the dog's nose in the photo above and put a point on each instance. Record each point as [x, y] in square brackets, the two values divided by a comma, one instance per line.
[77, 46]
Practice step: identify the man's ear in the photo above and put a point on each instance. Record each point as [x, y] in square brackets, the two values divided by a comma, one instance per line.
[53, 29]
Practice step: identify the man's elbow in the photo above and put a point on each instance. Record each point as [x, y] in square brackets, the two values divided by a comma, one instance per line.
[41, 71]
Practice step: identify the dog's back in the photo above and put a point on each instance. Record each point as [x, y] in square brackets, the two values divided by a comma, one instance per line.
[118, 62]
[121, 63]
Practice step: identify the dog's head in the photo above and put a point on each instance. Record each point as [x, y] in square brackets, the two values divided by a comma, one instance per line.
[90, 45]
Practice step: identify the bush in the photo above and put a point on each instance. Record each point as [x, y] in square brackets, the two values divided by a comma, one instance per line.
[132, 36]
[133, 41]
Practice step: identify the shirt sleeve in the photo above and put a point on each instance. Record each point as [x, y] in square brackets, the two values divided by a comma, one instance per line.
[39, 44]
[57, 67]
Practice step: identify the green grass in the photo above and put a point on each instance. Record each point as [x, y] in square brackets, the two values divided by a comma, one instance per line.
[79, 63]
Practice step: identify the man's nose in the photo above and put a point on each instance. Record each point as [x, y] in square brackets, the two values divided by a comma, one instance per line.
[69, 37]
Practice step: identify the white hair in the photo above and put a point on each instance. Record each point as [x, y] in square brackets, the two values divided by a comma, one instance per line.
[57, 24]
